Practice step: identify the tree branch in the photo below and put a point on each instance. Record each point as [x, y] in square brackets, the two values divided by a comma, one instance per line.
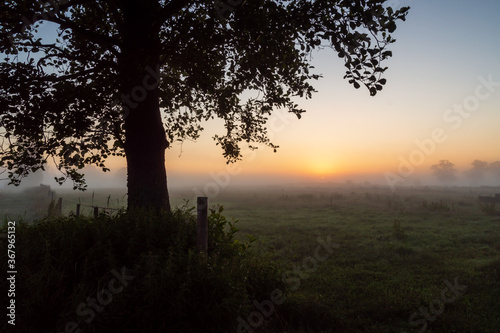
[54, 78]
[100, 39]
[172, 8]
[54, 18]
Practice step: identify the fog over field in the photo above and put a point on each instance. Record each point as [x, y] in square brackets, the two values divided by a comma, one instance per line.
[234, 176]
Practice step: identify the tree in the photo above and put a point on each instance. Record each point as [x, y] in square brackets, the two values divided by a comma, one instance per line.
[478, 170]
[128, 77]
[494, 170]
[444, 171]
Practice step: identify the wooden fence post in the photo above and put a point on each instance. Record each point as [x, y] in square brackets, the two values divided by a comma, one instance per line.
[77, 210]
[202, 219]
[96, 212]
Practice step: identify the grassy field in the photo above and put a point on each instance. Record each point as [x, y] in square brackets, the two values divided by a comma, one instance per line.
[32, 204]
[396, 254]
[415, 260]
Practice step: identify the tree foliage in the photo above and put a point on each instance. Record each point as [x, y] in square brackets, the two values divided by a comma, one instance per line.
[478, 171]
[494, 168]
[444, 171]
[69, 97]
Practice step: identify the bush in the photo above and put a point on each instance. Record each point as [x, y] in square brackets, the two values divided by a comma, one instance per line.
[488, 208]
[134, 273]
[435, 206]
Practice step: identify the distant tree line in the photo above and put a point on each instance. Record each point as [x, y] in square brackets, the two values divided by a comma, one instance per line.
[481, 171]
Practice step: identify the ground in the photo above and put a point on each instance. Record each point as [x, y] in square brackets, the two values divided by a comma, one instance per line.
[414, 260]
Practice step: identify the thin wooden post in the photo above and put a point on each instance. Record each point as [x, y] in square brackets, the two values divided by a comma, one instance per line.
[78, 210]
[202, 219]
[96, 212]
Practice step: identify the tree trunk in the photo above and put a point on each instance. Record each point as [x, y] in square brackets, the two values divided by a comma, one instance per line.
[147, 179]
[145, 140]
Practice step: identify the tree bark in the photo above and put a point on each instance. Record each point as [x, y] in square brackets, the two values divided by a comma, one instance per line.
[145, 139]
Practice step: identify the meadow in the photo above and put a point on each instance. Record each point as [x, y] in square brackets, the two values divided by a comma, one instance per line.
[396, 253]
[414, 260]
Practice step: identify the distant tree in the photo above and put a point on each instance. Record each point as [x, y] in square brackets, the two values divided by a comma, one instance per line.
[34, 179]
[445, 171]
[129, 77]
[494, 170]
[478, 171]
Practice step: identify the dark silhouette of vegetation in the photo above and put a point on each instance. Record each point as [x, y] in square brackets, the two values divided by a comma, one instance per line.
[445, 171]
[128, 78]
[54, 209]
[478, 171]
[435, 206]
[494, 169]
[489, 208]
[168, 286]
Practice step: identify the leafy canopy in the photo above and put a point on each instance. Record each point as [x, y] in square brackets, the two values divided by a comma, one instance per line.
[60, 97]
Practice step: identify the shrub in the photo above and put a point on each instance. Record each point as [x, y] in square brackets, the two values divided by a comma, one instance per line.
[488, 208]
[64, 263]
[435, 206]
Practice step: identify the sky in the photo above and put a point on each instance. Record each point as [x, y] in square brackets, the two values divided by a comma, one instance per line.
[441, 102]
[446, 53]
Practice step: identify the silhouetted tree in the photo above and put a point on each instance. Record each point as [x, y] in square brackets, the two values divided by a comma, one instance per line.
[478, 171]
[494, 170]
[128, 77]
[444, 171]
[34, 179]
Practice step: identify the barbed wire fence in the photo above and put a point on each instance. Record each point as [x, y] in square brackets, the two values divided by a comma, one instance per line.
[55, 208]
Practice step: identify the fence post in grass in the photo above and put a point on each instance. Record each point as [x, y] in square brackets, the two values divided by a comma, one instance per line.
[202, 227]
[77, 210]
[96, 212]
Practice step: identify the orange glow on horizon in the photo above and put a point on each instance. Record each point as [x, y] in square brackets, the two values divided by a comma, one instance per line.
[321, 168]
